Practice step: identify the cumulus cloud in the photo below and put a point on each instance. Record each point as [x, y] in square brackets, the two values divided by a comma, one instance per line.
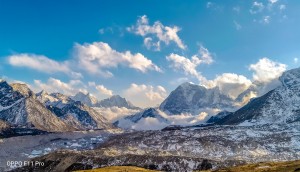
[182, 63]
[91, 84]
[266, 70]
[187, 119]
[157, 33]
[209, 4]
[55, 85]
[266, 19]
[237, 9]
[282, 7]
[264, 11]
[97, 57]
[145, 95]
[257, 7]
[104, 90]
[296, 60]
[237, 25]
[179, 81]
[188, 66]
[42, 64]
[231, 84]
[94, 58]
[114, 113]
[265, 76]
[151, 123]
[273, 1]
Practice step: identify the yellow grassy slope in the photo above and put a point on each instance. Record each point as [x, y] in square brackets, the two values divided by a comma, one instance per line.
[289, 166]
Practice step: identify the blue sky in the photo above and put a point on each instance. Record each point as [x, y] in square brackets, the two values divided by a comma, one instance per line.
[48, 45]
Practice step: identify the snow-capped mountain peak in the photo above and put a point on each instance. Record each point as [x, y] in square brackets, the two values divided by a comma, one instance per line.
[116, 101]
[291, 79]
[22, 89]
[192, 98]
[85, 98]
[19, 107]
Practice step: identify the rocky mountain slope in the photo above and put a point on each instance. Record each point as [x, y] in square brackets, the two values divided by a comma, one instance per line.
[3, 125]
[185, 150]
[87, 99]
[278, 106]
[266, 129]
[186, 100]
[113, 101]
[19, 107]
[116, 101]
[74, 113]
[191, 98]
[55, 112]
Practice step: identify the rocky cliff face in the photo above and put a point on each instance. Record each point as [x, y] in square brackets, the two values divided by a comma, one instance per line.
[20, 108]
[55, 112]
[191, 98]
[87, 99]
[116, 101]
[74, 113]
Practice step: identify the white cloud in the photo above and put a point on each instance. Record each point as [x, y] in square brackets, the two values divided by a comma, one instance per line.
[157, 33]
[267, 10]
[257, 7]
[296, 60]
[104, 90]
[273, 1]
[187, 119]
[42, 64]
[282, 7]
[236, 9]
[265, 74]
[181, 63]
[237, 25]
[57, 86]
[92, 84]
[94, 58]
[214, 6]
[149, 124]
[97, 57]
[145, 95]
[231, 84]
[148, 42]
[105, 30]
[101, 31]
[189, 65]
[114, 113]
[209, 4]
[266, 70]
[266, 19]
[179, 81]
[183, 119]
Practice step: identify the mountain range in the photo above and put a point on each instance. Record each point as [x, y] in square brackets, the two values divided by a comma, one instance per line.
[279, 105]
[20, 107]
[187, 99]
[265, 129]
[113, 101]
[55, 112]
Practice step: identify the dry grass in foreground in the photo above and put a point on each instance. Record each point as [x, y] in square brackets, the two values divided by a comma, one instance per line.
[289, 166]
